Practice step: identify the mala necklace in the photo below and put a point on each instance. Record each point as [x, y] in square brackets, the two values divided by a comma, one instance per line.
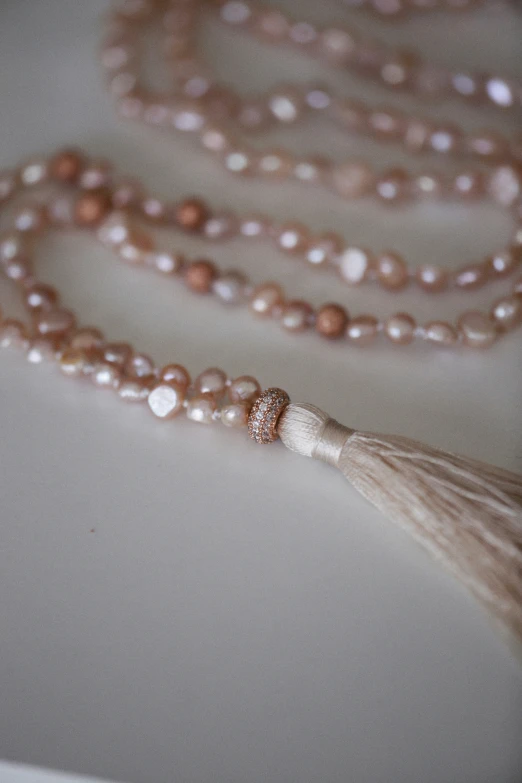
[467, 513]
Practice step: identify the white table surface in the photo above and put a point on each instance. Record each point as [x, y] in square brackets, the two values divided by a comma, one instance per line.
[178, 604]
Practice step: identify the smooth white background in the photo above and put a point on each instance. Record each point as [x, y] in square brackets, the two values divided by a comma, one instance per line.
[177, 603]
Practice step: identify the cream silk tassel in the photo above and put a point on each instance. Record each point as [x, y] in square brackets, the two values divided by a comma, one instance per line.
[466, 513]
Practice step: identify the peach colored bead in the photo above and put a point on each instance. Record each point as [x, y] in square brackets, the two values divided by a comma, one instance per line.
[211, 381]
[67, 165]
[19, 270]
[139, 365]
[476, 329]
[286, 105]
[254, 226]
[235, 414]
[331, 320]
[432, 278]
[468, 184]
[352, 180]
[201, 409]
[354, 264]
[440, 333]
[106, 375]
[392, 272]
[126, 193]
[34, 172]
[429, 184]
[117, 353]
[385, 124]
[91, 207]
[13, 244]
[191, 214]
[72, 362]
[200, 275]
[507, 312]
[393, 186]
[60, 209]
[505, 261]
[7, 185]
[266, 298]
[253, 116]
[165, 262]
[41, 350]
[176, 374]
[41, 297]
[30, 218]
[351, 114]
[337, 46]
[487, 145]
[362, 330]
[292, 237]
[114, 229]
[471, 277]
[274, 164]
[135, 389]
[230, 287]
[86, 338]
[54, 322]
[296, 316]
[13, 334]
[505, 185]
[323, 249]
[244, 389]
[136, 247]
[220, 225]
[517, 286]
[272, 25]
[400, 328]
[153, 209]
[96, 175]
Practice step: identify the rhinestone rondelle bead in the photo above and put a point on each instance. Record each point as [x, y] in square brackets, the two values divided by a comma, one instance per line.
[266, 410]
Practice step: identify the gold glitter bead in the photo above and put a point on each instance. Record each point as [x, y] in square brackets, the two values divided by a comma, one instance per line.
[266, 410]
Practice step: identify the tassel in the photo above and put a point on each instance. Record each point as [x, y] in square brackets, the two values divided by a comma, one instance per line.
[466, 513]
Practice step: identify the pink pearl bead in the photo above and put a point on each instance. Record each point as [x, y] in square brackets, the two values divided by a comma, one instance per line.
[13, 244]
[476, 330]
[351, 114]
[19, 270]
[469, 184]
[235, 415]
[134, 389]
[41, 297]
[96, 175]
[254, 226]
[303, 34]
[400, 328]
[487, 145]
[275, 164]
[126, 193]
[153, 208]
[30, 218]
[440, 333]
[176, 374]
[392, 272]
[7, 185]
[393, 186]
[502, 263]
[445, 139]
[86, 339]
[352, 180]
[272, 25]
[354, 264]
[139, 365]
[60, 209]
[266, 298]
[230, 287]
[106, 375]
[117, 353]
[244, 389]
[13, 334]
[432, 278]
[429, 184]
[416, 134]
[164, 262]
[201, 409]
[72, 362]
[41, 350]
[292, 237]
[239, 160]
[34, 172]
[337, 46]
[362, 330]
[323, 249]
[114, 230]
[504, 185]
[386, 124]
[54, 322]
[221, 225]
[286, 105]
[296, 316]
[471, 277]
[211, 381]
[311, 170]
[500, 92]
[507, 312]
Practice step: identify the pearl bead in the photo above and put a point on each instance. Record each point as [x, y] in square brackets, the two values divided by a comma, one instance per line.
[201, 409]
[391, 271]
[507, 312]
[176, 374]
[106, 375]
[139, 365]
[393, 186]
[135, 249]
[19, 270]
[60, 209]
[235, 12]
[354, 263]
[200, 275]
[476, 330]
[164, 262]
[337, 46]
[7, 185]
[500, 92]
[127, 193]
[472, 276]
[67, 165]
[41, 297]
[54, 322]
[13, 334]
[135, 389]
[230, 287]
[504, 262]
[292, 237]
[72, 362]
[153, 209]
[400, 328]
[276, 164]
[266, 298]
[487, 145]
[311, 170]
[96, 175]
[114, 230]
[323, 249]
[91, 207]
[504, 185]
[239, 160]
[469, 184]
[254, 226]
[30, 218]
[117, 353]
[352, 180]
[34, 172]
[244, 389]
[86, 339]
[296, 316]
[431, 278]
[362, 330]
[440, 333]
[13, 244]
[191, 214]
[211, 381]
[303, 34]
[222, 225]
[41, 350]
[331, 320]
[235, 415]
[272, 25]
[285, 105]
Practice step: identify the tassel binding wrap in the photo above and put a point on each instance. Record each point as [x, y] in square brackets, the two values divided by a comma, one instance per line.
[466, 513]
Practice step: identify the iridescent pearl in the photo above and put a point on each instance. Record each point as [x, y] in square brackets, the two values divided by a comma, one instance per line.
[114, 230]
[30, 218]
[41, 350]
[117, 353]
[393, 186]
[235, 12]
[472, 276]
[504, 185]
[391, 270]
[96, 175]
[311, 170]
[276, 164]
[200, 275]
[60, 209]
[477, 330]
[292, 237]
[337, 46]
[13, 334]
[323, 249]
[176, 374]
[86, 338]
[352, 180]
[253, 226]
[244, 389]
[34, 172]
[13, 244]
[164, 262]
[135, 389]
[135, 249]
[432, 278]
[106, 375]
[201, 409]
[230, 287]
[351, 114]
[272, 24]
[239, 160]
[211, 381]
[235, 414]
[331, 320]
[266, 299]
[139, 365]
[296, 316]
[362, 330]
[41, 297]
[91, 207]
[19, 270]
[153, 208]
[221, 225]
[286, 105]
[504, 262]
[507, 312]
[500, 92]
[354, 263]
[126, 193]
[400, 328]
[54, 322]
[72, 362]
[469, 184]
[440, 333]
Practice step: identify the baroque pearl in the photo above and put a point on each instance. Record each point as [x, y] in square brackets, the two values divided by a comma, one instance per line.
[200, 275]
[354, 263]
[362, 330]
[201, 409]
[507, 312]
[235, 414]
[244, 389]
[440, 333]
[476, 329]
[211, 381]
[176, 374]
[266, 298]
[296, 316]
[400, 328]
[13, 334]
[331, 320]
